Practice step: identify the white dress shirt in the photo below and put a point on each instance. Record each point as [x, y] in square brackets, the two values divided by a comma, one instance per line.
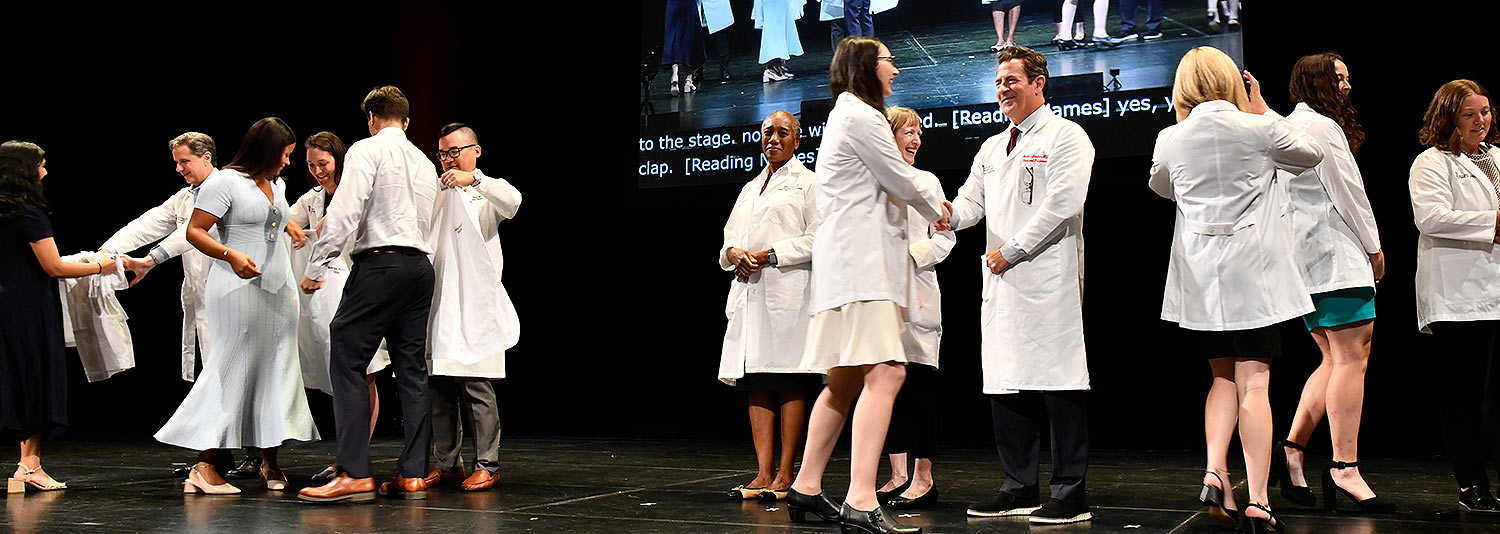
[385, 199]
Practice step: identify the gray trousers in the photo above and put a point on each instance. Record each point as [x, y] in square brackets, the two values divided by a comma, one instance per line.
[465, 405]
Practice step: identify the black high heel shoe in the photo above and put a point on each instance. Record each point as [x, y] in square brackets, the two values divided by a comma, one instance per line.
[882, 496]
[799, 505]
[897, 502]
[1255, 525]
[871, 522]
[1299, 495]
[1213, 498]
[1372, 505]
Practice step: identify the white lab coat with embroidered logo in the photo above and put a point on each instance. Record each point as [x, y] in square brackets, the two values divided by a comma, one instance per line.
[1031, 334]
[1458, 263]
[768, 313]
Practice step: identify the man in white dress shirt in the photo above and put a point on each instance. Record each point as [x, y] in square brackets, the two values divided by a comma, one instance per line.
[463, 393]
[1029, 184]
[385, 200]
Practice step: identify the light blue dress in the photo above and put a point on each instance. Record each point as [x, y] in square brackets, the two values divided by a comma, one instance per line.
[250, 391]
[777, 20]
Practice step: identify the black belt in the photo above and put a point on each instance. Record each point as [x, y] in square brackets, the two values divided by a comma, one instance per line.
[408, 251]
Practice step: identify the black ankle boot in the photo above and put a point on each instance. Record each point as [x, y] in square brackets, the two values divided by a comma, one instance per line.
[871, 522]
[799, 505]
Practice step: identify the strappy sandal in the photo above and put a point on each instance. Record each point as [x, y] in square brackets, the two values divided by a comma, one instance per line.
[1256, 525]
[1213, 498]
[18, 485]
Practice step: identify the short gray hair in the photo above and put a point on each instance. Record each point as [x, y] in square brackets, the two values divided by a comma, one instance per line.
[197, 143]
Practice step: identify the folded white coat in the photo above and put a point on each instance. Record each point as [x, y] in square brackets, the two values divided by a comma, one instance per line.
[93, 320]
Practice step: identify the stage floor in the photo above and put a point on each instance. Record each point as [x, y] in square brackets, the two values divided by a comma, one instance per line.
[612, 486]
[944, 65]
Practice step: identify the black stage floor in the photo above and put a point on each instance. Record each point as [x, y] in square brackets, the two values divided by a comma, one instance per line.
[943, 65]
[609, 486]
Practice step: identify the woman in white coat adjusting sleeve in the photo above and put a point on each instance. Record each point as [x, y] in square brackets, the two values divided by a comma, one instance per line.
[1338, 250]
[1453, 201]
[861, 284]
[768, 245]
[1231, 277]
[914, 418]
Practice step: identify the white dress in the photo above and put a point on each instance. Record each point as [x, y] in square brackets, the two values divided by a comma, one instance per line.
[250, 390]
[313, 340]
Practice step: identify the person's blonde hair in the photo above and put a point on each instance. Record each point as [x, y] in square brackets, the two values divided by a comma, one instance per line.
[901, 117]
[1204, 74]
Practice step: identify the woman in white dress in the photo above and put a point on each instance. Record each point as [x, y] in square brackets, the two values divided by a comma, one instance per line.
[861, 284]
[1231, 277]
[325, 164]
[250, 390]
[914, 417]
[777, 22]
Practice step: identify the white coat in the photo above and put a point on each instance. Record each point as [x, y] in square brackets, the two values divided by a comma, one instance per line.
[768, 313]
[1458, 263]
[715, 14]
[928, 247]
[316, 311]
[473, 320]
[1031, 317]
[834, 9]
[862, 192]
[1231, 266]
[168, 223]
[93, 321]
[1333, 225]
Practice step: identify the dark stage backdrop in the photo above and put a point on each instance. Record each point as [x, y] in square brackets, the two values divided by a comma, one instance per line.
[620, 299]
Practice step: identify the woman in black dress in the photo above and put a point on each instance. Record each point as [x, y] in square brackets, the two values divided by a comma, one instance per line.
[33, 374]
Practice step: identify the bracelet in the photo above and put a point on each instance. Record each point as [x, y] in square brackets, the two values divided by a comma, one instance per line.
[101, 268]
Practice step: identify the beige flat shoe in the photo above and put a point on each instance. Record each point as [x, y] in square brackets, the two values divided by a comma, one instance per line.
[196, 484]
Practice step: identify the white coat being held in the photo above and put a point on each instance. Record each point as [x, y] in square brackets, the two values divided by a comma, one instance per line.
[473, 320]
[1458, 263]
[1232, 266]
[768, 312]
[1333, 226]
[168, 223]
[1031, 331]
[928, 247]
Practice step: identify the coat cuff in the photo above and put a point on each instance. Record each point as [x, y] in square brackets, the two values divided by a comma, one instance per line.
[1012, 253]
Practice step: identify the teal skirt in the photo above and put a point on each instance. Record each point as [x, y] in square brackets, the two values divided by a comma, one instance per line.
[1341, 307]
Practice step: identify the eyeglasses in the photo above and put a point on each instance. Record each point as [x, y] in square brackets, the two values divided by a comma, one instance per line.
[890, 58]
[452, 153]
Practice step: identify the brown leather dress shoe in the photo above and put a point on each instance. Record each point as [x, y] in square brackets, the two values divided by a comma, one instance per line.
[439, 477]
[480, 480]
[405, 488]
[341, 488]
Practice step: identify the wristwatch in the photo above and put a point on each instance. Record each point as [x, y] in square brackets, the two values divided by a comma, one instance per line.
[771, 257]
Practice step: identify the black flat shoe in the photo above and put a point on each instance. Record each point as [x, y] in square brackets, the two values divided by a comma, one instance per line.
[1255, 525]
[1477, 499]
[902, 503]
[882, 496]
[799, 505]
[1213, 498]
[1372, 505]
[871, 522]
[1298, 495]
[249, 468]
[1063, 46]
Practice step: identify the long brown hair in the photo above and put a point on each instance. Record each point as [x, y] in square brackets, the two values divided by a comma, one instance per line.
[1438, 124]
[260, 152]
[331, 144]
[853, 70]
[20, 182]
[1315, 82]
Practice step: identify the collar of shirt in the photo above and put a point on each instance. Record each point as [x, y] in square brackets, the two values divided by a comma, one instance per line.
[1036, 118]
[1213, 106]
[791, 166]
[391, 130]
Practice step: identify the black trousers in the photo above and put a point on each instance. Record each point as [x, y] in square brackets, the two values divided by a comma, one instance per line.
[1019, 421]
[386, 297]
[1467, 396]
[914, 420]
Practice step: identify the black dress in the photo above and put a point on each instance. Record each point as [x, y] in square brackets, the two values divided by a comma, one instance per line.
[33, 374]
